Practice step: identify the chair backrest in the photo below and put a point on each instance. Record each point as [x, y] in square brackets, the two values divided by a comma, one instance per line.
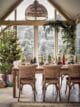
[27, 71]
[74, 70]
[52, 71]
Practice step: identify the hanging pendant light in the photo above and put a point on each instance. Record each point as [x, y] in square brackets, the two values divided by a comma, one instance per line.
[36, 11]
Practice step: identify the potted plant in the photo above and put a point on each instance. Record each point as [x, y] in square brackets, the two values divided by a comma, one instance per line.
[49, 59]
[59, 60]
[4, 70]
[9, 52]
[41, 61]
[23, 59]
[33, 60]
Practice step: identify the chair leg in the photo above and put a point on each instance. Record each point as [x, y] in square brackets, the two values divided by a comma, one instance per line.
[44, 92]
[79, 87]
[21, 87]
[61, 80]
[66, 88]
[19, 94]
[34, 96]
[35, 93]
[69, 93]
[58, 92]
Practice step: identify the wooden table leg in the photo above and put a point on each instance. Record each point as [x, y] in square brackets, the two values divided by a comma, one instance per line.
[14, 83]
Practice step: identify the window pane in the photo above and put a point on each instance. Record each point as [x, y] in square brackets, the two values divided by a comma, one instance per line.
[60, 43]
[46, 43]
[26, 38]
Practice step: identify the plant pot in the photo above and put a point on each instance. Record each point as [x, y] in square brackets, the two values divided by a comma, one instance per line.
[3, 81]
[10, 79]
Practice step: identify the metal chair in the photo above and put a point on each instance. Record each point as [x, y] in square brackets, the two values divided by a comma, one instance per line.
[51, 76]
[27, 76]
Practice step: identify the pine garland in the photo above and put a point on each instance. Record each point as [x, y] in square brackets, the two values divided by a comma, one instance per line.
[68, 33]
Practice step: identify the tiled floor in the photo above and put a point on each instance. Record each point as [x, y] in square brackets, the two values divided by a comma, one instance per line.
[6, 93]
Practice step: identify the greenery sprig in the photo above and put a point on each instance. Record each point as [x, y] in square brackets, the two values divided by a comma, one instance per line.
[68, 33]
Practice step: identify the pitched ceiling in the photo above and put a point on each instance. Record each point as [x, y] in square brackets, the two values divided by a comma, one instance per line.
[70, 9]
[7, 6]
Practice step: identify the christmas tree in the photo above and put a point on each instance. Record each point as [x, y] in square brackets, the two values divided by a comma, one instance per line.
[9, 50]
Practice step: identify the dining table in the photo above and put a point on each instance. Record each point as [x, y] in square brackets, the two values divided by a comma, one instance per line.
[39, 69]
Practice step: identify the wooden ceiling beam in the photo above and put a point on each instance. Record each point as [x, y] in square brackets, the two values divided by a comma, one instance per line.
[77, 20]
[4, 29]
[28, 23]
[11, 9]
[60, 10]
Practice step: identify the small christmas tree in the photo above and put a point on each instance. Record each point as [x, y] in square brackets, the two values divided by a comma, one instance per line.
[9, 50]
[49, 59]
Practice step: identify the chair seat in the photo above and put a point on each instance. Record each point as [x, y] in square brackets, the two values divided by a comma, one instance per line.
[74, 79]
[26, 80]
[51, 78]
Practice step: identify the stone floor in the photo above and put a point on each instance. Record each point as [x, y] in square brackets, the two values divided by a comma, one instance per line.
[6, 97]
